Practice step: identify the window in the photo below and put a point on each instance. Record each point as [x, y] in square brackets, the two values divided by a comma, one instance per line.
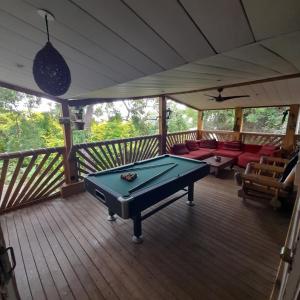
[222, 119]
[265, 119]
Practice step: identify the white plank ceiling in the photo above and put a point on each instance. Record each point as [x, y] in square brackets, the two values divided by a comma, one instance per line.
[281, 92]
[130, 48]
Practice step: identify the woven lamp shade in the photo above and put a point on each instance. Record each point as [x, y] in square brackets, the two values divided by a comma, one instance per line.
[51, 72]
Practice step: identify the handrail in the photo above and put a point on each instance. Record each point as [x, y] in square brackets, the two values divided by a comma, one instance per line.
[17, 154]
[263, 133]
[182, 132]
[218, 131]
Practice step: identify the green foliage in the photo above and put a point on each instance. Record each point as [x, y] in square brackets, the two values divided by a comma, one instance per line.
[222, 119]
[30, 132]
[264, 120]
[182, 118]
[22, 127]
[115, 128]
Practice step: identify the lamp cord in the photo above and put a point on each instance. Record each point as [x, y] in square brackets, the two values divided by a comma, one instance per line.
[46, 19]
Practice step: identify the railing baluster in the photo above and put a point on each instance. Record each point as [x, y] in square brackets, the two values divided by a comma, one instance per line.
[25, 176]
[12, 182]
[3, 177]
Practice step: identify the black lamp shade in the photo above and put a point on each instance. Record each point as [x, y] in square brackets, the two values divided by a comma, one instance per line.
[51, 72]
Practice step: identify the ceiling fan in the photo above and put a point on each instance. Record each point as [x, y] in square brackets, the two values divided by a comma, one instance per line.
[220, 98]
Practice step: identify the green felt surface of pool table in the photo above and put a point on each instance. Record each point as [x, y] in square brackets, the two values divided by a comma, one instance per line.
[114, 182]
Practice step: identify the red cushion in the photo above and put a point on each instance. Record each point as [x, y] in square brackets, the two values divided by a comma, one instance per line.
[269, 146]
[253, 148]
[192, 145]
[211, 144]
[232, 145]
[267, 150]
[198, 154]
[179, 149]
[227, 153]
[247, 157]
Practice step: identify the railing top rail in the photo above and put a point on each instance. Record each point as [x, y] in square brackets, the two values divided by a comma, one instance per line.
[114, 141]
[18, 154]
[218, 131]
[182, 132]
[263, 133]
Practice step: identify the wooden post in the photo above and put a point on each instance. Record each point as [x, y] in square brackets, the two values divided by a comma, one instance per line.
[238, 122]
[72, 186]
[199, 124]
[289, 141]
[163, 124]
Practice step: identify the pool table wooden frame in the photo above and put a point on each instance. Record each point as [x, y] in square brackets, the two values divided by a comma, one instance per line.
[132, 206]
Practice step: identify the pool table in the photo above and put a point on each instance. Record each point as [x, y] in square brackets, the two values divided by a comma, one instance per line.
[157, 178]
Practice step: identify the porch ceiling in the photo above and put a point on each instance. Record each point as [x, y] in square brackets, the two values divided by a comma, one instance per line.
[130, 48]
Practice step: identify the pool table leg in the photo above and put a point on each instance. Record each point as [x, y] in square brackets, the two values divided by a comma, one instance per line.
[190, 195]
[137, 229]
[111, 216]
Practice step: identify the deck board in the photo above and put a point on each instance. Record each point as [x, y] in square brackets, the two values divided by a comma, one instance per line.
[222, 248]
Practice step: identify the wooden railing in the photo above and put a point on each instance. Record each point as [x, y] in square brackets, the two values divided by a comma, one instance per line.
[30, 176]
[219, 135]
[180, 137]
[245, 137]
[93, 157]
[261, 138]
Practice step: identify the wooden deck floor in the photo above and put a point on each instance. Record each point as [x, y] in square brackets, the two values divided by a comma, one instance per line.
[221, 248]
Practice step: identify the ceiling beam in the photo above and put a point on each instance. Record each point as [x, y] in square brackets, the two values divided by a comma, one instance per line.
[89, 101]
[31, 92]
[278, 78]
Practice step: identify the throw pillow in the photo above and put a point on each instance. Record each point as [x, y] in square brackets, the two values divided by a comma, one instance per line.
[192, 145]
[211, 144]
[267, 150]
[180, 149]
[232, 145]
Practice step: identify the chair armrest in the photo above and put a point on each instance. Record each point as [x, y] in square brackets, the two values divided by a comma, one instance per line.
[266, 159]
[264, 180]
[264, 167]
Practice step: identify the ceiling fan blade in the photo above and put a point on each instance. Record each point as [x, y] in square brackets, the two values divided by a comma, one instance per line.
[234, 97]
[210, 96]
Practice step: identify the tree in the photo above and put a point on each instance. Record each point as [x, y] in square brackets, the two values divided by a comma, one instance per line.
[22, 128]
[264, 119]
[222, 119]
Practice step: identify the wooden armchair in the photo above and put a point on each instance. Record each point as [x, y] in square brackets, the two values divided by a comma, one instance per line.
[271, 179]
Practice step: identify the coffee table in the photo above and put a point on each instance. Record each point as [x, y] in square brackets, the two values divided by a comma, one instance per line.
[216, 166]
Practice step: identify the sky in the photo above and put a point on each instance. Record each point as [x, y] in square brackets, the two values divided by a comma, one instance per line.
[45, 105]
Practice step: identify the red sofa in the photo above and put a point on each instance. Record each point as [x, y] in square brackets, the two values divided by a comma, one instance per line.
[242, 153]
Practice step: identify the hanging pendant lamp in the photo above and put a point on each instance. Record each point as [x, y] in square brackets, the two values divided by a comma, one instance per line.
[50, 71]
